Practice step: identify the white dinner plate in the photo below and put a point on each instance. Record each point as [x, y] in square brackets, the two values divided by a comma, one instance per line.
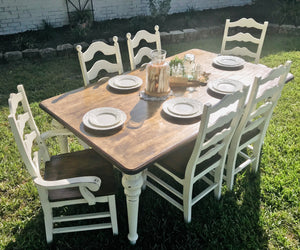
[225, 86]
[182, 107]
[104, 118]
[125, 82]
[229, 61]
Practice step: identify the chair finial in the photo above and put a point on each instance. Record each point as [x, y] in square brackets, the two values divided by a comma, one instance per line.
[115, 39]
[128, 35]
[79, 48]
[156, 27]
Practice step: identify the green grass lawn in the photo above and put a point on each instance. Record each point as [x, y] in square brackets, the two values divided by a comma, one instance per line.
[262, 212]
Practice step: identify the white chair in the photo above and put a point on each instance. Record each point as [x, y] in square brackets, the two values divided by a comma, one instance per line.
[244, 37]
[88, 55]
[69, 179]
[250, 133]
[200, 160]
[133, 43]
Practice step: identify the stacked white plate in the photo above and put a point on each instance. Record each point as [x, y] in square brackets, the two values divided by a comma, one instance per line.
[230, 62]
[182, 107]
[104, 118]
[125, 82]
[225, 86]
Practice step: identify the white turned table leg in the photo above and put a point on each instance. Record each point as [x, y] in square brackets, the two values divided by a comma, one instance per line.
[132, 188]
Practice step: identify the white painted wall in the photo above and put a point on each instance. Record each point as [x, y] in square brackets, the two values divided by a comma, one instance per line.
[22, 15]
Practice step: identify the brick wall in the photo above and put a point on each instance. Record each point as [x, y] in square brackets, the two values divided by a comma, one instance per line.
[21, 15]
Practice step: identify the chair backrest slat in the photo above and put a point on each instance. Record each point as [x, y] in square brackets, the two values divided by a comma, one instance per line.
[145, 51]
[210, 153]
[239, 51]
[102, 64]
[243, 37]
[246, 22]
[94, 48]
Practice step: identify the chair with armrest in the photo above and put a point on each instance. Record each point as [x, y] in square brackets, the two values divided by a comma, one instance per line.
[244, 37]
[133, 43]
[254, 123]
[69, 179]
[102, 64]
[201, 160]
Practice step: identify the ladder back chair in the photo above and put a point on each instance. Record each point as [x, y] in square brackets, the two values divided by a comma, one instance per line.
[68, 179]
[200, 160]
[244, 37]
[252, 128]
[133, 43]
[102, 64]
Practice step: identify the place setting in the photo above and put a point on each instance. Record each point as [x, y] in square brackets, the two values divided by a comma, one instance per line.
[228, 62]
[125, 82]
[183, 108]
[104, 119]
[224, 86]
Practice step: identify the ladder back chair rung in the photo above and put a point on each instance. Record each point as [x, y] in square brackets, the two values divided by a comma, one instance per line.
[82, 177]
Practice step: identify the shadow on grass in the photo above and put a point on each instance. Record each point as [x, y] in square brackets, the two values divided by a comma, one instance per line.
[231, 223]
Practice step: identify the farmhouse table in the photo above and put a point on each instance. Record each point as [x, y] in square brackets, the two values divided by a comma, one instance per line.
[147, 133]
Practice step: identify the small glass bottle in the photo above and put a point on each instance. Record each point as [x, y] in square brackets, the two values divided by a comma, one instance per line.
[189, 66]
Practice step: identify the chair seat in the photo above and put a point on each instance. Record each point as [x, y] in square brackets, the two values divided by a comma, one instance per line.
[79, 164]
[177, 160]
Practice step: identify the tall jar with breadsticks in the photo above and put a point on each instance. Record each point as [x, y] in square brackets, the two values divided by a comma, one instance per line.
[157, 74]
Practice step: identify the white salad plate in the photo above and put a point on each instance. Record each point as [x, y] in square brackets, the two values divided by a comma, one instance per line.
[182, 107]
[104, 118]
[125, 82]
[225, 86]
[229, 61]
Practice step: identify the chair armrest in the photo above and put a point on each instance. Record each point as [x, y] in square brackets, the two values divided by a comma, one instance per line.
[84, 183]
[91, 182]
[55, 132]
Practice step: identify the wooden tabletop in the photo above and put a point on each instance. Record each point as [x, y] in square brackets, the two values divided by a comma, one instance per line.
[147, 133]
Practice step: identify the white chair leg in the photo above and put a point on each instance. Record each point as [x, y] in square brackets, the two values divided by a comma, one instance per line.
[256, 153]
[218, 179]
[113, 214]
[187, 205]
[230, 169]
[48, 219]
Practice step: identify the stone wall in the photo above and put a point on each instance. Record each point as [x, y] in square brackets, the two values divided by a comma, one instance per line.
[174, 36]
[22, 15]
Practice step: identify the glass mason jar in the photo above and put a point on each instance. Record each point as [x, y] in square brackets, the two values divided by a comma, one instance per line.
[157, 74]
[189, 66]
